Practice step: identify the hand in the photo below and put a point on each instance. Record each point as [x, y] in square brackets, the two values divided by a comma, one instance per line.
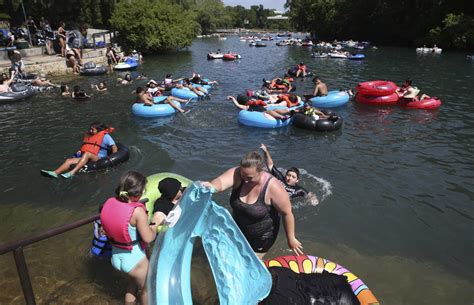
[263, 147]
[208, 185]
[230, 97]
[296, 246]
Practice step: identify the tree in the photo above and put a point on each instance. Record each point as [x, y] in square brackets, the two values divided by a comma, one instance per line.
[155, 26]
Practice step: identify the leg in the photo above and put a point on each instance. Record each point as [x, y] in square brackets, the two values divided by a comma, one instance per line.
[276, 114]
[131, 292]
[138, 275]
[83, 161]
[66, 165]
[169, 100]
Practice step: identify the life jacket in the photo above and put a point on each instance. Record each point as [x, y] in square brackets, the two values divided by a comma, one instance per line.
[286, 98]
[93, 143]
[256, 103]
[274, 85]
[302, 68]
[115, 217]
[152, 92]
[101, 246]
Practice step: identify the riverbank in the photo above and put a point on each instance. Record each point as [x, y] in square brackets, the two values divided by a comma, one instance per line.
[54, 65]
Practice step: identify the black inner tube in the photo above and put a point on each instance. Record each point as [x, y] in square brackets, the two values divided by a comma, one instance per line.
[334, 122]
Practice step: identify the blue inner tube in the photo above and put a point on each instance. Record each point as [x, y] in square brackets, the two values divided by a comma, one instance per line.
[98, 70]
[261, 120]
[128, 64]
[333, 99]
[184, 93]
[356, 56]
[155, 111]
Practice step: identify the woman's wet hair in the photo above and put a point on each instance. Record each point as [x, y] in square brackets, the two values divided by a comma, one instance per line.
[128, 76]
[139, 90]
[63, 88]
[252, 159]
[131, 184]
[293, 98]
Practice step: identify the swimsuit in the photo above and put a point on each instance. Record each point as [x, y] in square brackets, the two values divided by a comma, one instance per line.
[258, 222]
[125, 260]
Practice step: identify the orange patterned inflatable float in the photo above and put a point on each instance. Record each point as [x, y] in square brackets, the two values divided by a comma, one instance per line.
[314, 264]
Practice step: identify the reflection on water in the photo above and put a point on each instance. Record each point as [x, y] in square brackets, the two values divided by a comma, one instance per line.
[395, 184]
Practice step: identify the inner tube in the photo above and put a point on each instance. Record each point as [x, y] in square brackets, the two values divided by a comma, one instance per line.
[184, 93]
[385, 100]
[129, 64]
[120, 156]
[292, 72]
[377, 88]
[426, 103]
[260, 44]
[309, 122]
[19, 92]
[152, 193]
[212, 55]
[261, 120]
[156, 110]
[356, 56]
[231, 56]
[314, 264]
[240, 277]
[335, 98]
[97, 70]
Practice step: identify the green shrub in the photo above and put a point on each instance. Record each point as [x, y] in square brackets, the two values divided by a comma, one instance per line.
[153, 26]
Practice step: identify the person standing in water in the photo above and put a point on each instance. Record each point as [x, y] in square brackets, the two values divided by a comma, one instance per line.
[257, 202]
[125, 222]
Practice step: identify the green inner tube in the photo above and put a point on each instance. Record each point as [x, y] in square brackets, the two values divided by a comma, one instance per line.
[151, 191]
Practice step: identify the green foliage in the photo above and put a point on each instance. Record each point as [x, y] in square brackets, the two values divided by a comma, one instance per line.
[403, 22]
[457, 31]
[153, 26]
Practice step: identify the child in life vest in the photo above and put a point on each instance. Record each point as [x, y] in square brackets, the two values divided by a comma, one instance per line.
[125, 222]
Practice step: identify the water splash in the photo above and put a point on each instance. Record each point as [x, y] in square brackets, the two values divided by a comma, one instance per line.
[317, 194]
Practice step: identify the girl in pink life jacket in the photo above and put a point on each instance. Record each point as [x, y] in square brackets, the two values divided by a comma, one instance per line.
[125, 222]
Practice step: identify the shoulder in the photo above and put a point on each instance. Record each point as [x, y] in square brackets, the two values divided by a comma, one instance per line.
[275, 187]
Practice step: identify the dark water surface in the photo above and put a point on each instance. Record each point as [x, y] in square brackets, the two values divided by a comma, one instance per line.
[397, 183]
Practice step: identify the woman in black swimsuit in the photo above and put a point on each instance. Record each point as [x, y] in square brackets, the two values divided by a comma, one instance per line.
[257, 201]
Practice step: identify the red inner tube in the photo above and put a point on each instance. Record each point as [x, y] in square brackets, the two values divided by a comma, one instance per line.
[377, 88]
[426, 103]
[390, 99]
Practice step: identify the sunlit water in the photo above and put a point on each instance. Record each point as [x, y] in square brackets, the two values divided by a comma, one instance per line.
[395, 185]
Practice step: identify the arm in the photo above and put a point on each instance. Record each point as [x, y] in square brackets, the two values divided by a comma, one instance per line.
[224, 181]
[281, 202]
[114, 149]
[268, 157]
[241, 107]
[147, 232]
[158, 218]
[316, 89]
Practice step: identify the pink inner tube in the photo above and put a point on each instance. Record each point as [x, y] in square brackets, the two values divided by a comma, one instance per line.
[377, 88]
[390, 99]
[426, 103]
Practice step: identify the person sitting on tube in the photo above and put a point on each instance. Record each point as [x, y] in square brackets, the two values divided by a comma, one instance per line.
[96, 145]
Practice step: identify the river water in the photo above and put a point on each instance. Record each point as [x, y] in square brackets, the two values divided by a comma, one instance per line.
[396, 184]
